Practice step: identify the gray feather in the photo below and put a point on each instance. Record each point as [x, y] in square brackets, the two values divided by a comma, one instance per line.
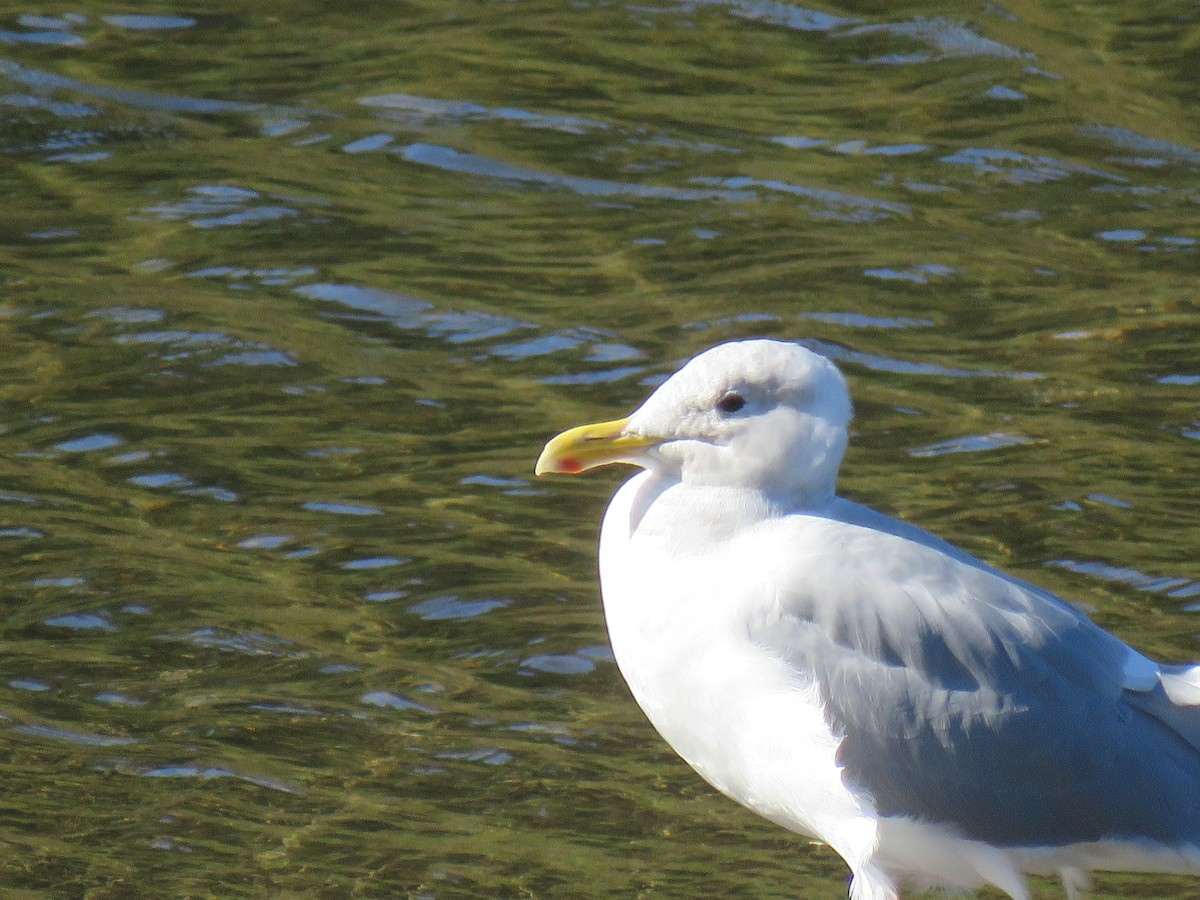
[981, 703]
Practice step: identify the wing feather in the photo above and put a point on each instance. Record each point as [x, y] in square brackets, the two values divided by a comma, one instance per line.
[968, 698]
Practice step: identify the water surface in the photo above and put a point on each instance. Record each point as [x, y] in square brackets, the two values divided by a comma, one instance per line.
[292, 296]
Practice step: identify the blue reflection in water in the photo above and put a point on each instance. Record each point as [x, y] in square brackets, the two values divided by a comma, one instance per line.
[45, 38]
[1022, 168]
[342, 509]
[787, 15]
[489, 756]
[90, 442]
[249, 643]
[949, 39]
[208, 773]
[450, 607]
[28, 684]
[72, 736]
[82, 622]
[906, 367]
[473, 164]
[429, 107]
[142, 22]
[857, 320]
[1171, 585]
[141, 99]
[394, 701]
[1131, 140]
[374, 562]
[974, 443]
[849, 207]
[265, 542]
[60, 108]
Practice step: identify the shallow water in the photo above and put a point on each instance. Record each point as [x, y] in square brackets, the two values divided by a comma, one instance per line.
[291, 298]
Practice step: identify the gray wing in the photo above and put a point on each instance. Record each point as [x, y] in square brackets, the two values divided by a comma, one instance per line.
[970, 699]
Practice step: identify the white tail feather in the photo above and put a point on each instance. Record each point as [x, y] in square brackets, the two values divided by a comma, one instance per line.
[869, 883]
[1182, 685]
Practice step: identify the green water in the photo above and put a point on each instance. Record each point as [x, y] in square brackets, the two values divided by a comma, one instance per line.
[291, 296]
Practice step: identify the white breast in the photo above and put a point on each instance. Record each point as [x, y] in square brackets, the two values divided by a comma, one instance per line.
[677, 616]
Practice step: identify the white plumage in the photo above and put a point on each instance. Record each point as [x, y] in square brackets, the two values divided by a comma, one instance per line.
[855, 679]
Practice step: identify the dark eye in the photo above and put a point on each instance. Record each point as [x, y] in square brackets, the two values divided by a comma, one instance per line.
[731, 402]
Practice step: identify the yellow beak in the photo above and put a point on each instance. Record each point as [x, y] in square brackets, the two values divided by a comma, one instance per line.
[588, 446]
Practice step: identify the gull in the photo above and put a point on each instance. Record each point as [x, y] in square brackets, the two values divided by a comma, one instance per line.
[850, 677]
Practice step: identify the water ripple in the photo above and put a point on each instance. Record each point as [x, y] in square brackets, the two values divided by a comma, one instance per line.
[141, 22]
[857, 320]
[918, 274]
[71, 736]
[559, 664]
[342, 509]
[141, 99]
[408, 313]
[44, 38]
[221, 206]
[90, 442]
[1022, 168]
[598, 377]
[836, 203]
[82, 622]
[1171, 585]
[974, 443]
[472, 164]
[797, 18]
[389, 700]
[374, 562]
[250, 643]
[906, 367]
[489, 756]
[60, 108]
[218, 348]
[265, 542]
[28, 684]
[368, 144]
[450, 607]
[950, 39]
[184, 485]
[1131, 140]
[430, 108]
[209, 773]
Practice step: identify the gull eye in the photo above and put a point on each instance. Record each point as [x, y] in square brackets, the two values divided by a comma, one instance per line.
[731, 402]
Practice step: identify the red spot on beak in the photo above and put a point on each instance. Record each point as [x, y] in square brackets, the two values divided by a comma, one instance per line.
[570, 465]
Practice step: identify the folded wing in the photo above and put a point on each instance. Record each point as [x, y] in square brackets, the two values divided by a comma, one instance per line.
[972, 700]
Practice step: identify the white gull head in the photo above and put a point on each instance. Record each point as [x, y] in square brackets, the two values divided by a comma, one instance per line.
[765, 415]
